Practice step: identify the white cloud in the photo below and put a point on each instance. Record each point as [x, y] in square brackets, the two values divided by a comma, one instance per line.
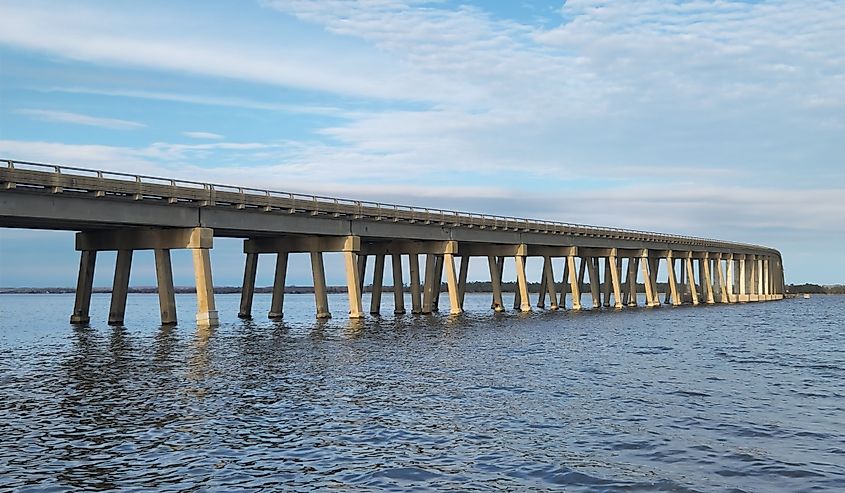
[139, 39]
[203, 135]
[234, 102]
[79, 119]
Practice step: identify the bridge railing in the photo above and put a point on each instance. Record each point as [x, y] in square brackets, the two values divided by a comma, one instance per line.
[61, 179]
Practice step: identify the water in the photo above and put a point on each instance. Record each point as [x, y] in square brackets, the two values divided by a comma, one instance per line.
[719, 398]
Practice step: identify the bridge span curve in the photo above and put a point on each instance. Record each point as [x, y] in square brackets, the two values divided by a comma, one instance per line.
[126, 212]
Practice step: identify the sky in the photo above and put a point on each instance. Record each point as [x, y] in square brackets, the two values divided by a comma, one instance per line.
[722, 119]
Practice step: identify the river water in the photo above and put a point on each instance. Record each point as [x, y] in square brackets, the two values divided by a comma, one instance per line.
[718, 398]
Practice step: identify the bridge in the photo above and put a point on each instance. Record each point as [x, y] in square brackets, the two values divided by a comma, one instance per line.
[125, 212]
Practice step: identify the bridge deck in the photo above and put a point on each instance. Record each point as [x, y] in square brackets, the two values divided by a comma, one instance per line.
[59, 197]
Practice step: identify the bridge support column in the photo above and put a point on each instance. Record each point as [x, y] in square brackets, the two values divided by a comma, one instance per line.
[353, 285]
[731, 278]
[648, 280]
[633, 267]
[362, 270]
[743, 280]
[398, 285]
[574, 282]
[416, 298]
[206, 309]
[428, 287]
[549, 277]
[120, 287]
[166, 293]
[378, 282]
[438, 283]
[248, 290]
[723, 285]
[564, 284]
[496, 283]
[595, 287]
[766, 279]
[452, 284]
[753, 292]
[522, 282]
[462, 279]
[707, 280]
[605, 292]
[673, 283]
[541, 296]
[321, 297]
[84, 286]
[277, 302]
[653, 271]
[615, 267]
[691, 279]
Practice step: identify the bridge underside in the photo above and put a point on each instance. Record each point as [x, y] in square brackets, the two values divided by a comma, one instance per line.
[616, 264]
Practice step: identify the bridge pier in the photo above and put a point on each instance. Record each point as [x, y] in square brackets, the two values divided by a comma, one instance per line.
[318, 273]
[549, 284]
[120, 287]
[398, 285]
[84, 286]
[248, 289]
[161, 241]
[315, 246]
[277, 300]
[416, 295]
[496, 283]
[166, 291]
[462, 279]
[378, 281]
[672, 291]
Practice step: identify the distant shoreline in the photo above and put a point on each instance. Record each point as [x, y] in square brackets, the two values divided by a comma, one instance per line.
[471, 287]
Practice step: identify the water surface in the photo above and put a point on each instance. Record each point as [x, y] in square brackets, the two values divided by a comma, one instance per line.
[719, 398]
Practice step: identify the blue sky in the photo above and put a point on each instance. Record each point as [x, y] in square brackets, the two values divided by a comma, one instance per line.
[716, 118]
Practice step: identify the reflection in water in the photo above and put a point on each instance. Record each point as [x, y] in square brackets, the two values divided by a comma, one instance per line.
[719, 398]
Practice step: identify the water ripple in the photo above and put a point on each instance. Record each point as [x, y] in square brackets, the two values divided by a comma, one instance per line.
[722, 398]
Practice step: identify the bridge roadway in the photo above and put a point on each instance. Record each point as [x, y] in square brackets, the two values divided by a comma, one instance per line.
[125, 212]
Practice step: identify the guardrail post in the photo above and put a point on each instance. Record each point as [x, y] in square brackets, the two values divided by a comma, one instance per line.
[8, 184]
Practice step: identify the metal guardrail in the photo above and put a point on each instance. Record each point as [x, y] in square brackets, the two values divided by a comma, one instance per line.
[142, 187]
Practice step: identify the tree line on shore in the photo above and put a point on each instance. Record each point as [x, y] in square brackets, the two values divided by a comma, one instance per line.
[808, 288]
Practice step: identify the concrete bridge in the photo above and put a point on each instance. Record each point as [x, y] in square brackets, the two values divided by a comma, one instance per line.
[123, 212]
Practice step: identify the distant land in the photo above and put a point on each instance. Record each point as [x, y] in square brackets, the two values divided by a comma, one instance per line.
[472, 287]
